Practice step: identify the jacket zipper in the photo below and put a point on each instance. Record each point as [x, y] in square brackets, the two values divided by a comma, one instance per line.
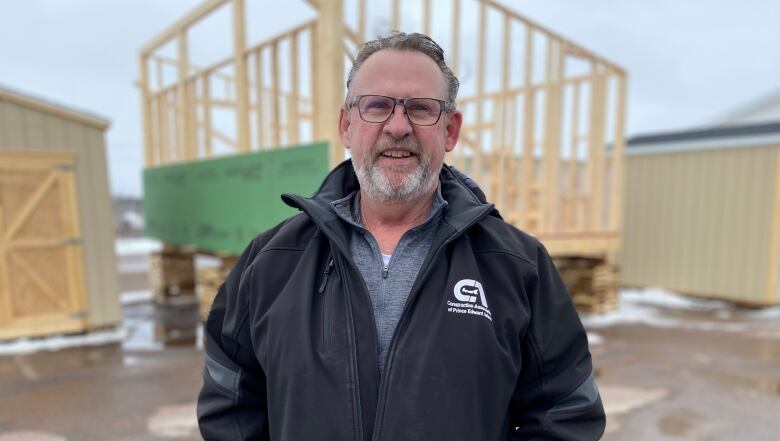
[326, 337]
[380, 406]
[358, 418]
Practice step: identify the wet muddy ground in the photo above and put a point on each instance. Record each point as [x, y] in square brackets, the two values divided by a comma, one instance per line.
[691, 374]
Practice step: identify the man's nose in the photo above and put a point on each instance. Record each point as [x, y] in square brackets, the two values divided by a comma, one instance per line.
[398, 126]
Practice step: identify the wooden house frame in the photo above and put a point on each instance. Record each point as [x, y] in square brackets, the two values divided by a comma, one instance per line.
[543, 130]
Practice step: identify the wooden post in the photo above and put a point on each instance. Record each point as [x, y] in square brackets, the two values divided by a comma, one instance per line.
[527, 165]
[551, 143]
[500, 193]
[328, 76]
[362, 20]
[427, 17]
[242, 89]
[260, 91]
[574, 167]
[192, 118]
[162, 116]
[477, 166]
[183, 141]
[292, 121]
[396, 17]
[207, 114]
[276, 125]
[596, 149]
[455, 58]
[618, 159]
[146, 109]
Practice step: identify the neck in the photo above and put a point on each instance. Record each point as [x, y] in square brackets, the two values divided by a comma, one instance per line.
[396, 213]
[388, 221]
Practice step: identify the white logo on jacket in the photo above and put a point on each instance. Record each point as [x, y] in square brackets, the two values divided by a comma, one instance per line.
[467, 292]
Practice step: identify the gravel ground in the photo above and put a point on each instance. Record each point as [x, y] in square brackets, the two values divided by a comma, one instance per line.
[667, 370]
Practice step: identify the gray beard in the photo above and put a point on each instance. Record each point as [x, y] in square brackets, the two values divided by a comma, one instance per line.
[377, 186]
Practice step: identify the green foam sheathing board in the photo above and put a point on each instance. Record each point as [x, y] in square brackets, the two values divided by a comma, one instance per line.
[221, 204]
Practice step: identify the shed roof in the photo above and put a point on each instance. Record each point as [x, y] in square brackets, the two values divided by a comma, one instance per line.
[707, 138]
[45, 105]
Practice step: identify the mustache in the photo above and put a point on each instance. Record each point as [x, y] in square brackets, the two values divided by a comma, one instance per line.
[408, 144]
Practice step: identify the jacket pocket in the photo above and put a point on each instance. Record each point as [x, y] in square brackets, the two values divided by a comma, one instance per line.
[325, 299]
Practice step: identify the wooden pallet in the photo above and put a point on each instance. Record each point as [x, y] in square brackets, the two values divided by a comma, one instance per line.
[172, 275]
[592, 283]
[208, 282]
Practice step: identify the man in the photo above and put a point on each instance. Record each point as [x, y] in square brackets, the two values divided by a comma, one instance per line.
[399, 305]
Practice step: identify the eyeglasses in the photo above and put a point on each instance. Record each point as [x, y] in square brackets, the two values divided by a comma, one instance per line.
[419, 111]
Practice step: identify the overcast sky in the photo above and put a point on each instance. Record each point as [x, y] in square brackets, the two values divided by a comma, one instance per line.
[688, 61]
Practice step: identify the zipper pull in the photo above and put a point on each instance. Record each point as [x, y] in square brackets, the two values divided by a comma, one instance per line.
[384, 272]
[325, 276]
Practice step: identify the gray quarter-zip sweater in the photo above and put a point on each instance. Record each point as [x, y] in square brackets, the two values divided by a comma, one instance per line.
[388, 285]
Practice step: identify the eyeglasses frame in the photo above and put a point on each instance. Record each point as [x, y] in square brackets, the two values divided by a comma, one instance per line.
[444, 106]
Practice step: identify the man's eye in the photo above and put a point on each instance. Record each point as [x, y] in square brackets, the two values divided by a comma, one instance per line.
[420, 108]
[376, 105]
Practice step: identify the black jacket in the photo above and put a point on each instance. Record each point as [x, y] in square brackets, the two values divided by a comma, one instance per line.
[291, 346]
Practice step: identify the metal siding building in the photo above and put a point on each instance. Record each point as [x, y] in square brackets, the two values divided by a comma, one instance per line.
[29, 126]
[703, 213]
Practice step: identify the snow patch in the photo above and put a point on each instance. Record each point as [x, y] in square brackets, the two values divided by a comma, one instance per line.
[135, 246]
[765, 314]
[133, 297]
[55, 343]
[663, 298]
[134, 267]
[663, 309]
[595, 339]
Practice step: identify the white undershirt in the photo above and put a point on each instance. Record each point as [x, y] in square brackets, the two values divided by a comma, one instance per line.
[386, 258]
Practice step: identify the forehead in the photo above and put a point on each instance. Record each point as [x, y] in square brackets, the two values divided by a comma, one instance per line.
[401, 74]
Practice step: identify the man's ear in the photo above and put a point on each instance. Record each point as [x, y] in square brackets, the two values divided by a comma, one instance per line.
[344, 126]
[454, 121]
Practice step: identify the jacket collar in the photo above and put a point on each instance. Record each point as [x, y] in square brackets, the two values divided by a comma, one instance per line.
[465, 199]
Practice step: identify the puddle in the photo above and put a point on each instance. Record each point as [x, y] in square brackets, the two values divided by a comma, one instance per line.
[151, 327]
[679, 423]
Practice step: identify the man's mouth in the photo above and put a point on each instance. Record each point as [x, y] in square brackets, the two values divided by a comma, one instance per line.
[397, 154]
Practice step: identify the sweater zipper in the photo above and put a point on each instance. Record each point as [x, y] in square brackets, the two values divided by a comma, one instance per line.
[380, 407]
[326, 337]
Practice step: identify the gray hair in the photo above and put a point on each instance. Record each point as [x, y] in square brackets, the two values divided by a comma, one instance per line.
[410, 42]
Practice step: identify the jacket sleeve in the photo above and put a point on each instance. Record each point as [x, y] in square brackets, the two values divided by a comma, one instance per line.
[232, 402]
[556, 397]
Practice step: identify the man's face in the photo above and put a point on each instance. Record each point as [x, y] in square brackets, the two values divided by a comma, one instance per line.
[398, 160]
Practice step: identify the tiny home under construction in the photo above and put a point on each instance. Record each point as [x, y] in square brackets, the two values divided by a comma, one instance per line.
[539, 110]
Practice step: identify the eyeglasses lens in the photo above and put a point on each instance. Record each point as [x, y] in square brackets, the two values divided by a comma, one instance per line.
[377, 109]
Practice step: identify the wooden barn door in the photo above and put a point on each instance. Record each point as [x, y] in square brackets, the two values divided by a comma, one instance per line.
[41, 271]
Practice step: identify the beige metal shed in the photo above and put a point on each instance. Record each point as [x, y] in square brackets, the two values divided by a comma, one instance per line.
[57, 261]
[703, 212]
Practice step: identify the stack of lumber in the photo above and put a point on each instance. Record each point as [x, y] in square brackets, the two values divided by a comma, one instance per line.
[208, 282]
[592, 283]
[172, 276]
